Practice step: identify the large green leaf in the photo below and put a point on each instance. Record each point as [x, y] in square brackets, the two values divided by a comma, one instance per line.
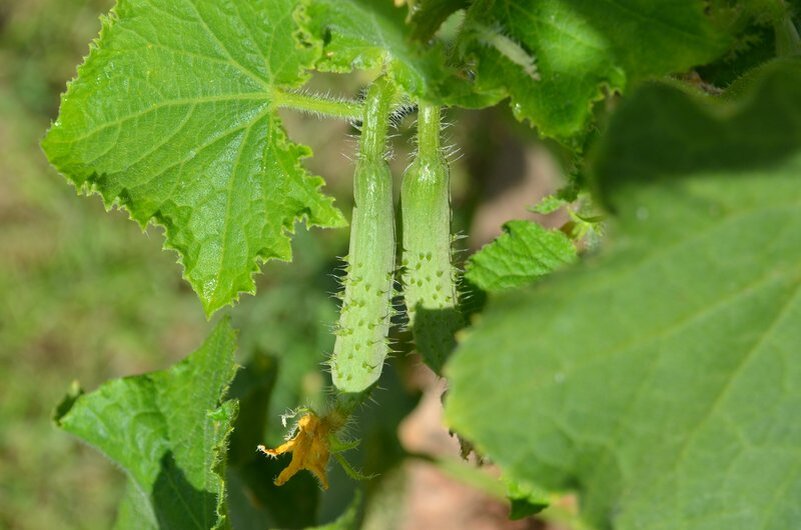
[582, 50]
[168, 431]
[661, 378]
[172, 117]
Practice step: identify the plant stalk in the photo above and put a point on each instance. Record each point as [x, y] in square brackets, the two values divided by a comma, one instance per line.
[318, 105]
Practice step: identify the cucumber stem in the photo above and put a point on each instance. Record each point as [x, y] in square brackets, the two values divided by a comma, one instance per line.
[428, 131]
[372, 143]
[318, 105]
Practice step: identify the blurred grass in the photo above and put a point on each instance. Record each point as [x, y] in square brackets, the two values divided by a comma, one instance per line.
[83, 294]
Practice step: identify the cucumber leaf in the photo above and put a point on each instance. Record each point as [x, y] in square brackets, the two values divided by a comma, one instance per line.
[523, 253]
[168, 431]
[659, 378]
[172, 117]
[555, 58]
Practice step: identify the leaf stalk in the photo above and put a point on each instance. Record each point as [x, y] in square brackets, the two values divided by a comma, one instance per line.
[319, 105]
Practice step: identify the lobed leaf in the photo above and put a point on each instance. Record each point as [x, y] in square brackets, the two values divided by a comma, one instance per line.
[172, 116]
[523, 253]
[168, 431]
[555, 58]
[660, 379]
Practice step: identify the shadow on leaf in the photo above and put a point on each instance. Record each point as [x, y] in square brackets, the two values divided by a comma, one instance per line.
[176, 502]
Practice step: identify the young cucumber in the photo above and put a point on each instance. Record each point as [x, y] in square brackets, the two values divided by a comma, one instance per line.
[361, 343]
[428, 277]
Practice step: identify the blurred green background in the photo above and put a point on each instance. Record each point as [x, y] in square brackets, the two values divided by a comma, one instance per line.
[85, 295]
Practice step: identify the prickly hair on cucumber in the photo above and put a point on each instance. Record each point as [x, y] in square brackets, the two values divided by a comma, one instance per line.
[361, 337]
[429, 284]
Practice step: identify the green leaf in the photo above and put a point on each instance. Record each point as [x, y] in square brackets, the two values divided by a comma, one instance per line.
[524, 500]
[523, 253]
[168, 431]
[555, 58]
[172, 116]
[660, 378]
[365, 34]
[549, 204]
[753, 44]
[427, 16]
[762, 30]
[351, 32]
[135, 511]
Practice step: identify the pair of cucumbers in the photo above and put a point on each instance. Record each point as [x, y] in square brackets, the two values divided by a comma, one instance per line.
[428, 276]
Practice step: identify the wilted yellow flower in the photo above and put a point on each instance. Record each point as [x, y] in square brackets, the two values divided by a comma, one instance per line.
[310, 450]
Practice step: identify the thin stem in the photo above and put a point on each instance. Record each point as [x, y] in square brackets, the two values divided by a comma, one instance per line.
[344, 405]
[428, 127]
[319, 105]
[372, 144]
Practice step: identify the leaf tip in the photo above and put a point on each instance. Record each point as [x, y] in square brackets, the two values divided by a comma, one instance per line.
[65, 405]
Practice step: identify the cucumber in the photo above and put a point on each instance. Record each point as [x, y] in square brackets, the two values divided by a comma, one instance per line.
[429, 279]
[361, 345]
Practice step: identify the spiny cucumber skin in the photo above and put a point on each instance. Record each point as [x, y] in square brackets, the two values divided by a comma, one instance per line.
[361, 344]
[428, 276]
